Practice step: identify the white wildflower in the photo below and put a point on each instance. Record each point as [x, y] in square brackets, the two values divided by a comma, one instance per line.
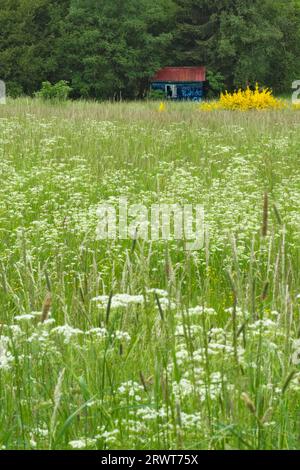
[67, 331]
[167, 304]
[26, 317]
[119, 301]
[200, 310]
[82, 443]
[110, 437]
[6, 358]
[99, 332]
[122, 335]
[33, 443]
[159, 292]
[130, 389]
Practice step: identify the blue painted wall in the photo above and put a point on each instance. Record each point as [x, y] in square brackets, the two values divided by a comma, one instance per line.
[185, 91]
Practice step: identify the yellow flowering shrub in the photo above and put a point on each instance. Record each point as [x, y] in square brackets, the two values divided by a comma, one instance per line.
[245, 100]
[210, 106]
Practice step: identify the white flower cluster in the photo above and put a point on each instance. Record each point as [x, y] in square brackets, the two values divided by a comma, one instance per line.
[67, 332]
[119, 301]
[132, 390]
[296, 352]
[83, 443]
[199, 310]
[6, 358]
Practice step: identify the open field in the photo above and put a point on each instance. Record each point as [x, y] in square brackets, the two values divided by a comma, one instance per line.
[202, 351]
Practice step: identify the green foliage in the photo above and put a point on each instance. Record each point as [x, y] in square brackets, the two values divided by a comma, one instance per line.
[14, 89]
[118, 46]
[156, 95]
[29, 33]
[216, 83]
[60, 91]
[108, 50]
[245, 41]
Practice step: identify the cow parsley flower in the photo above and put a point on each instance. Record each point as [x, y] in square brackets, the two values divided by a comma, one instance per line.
[6, 358]
[25, 317]
[99, 332]
[159, 292]
[119, 301]
[82, 443]
[122, 335]
[67, 331]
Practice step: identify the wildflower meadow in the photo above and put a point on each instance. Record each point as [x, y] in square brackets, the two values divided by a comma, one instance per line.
[139, 343]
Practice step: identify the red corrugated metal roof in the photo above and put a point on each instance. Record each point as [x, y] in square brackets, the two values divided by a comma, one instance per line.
[180, 74]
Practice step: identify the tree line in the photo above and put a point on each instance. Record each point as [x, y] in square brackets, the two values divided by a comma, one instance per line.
[110, 48]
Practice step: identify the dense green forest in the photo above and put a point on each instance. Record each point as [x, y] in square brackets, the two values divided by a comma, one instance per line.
[110, 48]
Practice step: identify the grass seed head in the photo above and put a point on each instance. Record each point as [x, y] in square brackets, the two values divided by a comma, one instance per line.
[46, 307]
[249, 403]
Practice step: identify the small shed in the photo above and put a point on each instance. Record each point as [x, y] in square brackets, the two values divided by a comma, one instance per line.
[180, 83]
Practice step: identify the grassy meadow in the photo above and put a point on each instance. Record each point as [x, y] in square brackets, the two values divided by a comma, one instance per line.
[144, 345]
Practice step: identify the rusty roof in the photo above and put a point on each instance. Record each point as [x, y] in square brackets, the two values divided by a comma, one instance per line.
[180, 74]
